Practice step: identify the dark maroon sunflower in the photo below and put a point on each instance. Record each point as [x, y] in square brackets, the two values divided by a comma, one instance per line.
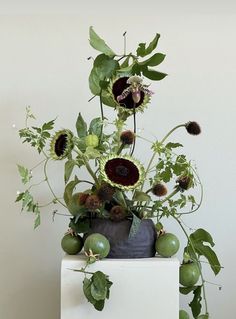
[122, 172]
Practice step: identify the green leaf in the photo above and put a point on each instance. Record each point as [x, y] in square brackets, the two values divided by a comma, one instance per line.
[134, 226]
[210, 255]
[48, 126]
[87, 290]
[187, 290]
[107, 99]
[99, 305]
[95, 126]
[69, 165]
[105, 65]
[24, 173]
[154, 60]
[125, 64]
[37, 221]
[195, 304]
[203, 236]
[127, 70]
[99, 44]
[99, 285]
[19, 197]
[143, 51]
[153, 75]
[94, 81]
[69, 190]
[141, 196]
[27, 199]
[81, 126]
[82, 225]
[173, 145]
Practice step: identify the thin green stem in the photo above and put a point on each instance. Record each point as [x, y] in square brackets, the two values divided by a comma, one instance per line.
[170, 132]
[169, 196]
[38, 164]
[49, 185]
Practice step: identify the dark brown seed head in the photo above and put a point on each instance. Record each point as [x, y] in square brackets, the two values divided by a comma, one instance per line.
[105, 192]
[185, 182]
[127, 137]
[159, 189]
[82, 198]
[92, 202]
[193, 128]
[117, 213]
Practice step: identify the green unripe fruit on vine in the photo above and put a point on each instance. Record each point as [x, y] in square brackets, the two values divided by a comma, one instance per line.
[98, 244]
[183, 315]
[189, 274]
[167, 245]
[91, 140]
[71, 245]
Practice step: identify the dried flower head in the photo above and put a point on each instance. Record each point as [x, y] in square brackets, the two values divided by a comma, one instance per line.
[127, 137]
[82, 198]
[193, 128]
[117, 213]
[159, 189]
[92, 202]
[184, 182]
[105, 192]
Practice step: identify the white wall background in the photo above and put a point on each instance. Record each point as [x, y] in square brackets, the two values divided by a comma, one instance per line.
[43, 51]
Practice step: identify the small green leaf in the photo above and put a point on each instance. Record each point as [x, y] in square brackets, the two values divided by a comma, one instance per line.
[81, 126]
[87, 290]
[134, 226]
[92, 153]
[195, 304]
[37, 221]
[210, 255]
[48, 126]
[95, 126]
[99, 305]
[125, 64]
[99, 44]
[143, 51]
[127, 70]
[19, 197]
[24, 173]
[154, 60]
[173, 145]
[141, 197]
[153, 75]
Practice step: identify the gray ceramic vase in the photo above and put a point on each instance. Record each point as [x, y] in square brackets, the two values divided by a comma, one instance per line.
[141, 245]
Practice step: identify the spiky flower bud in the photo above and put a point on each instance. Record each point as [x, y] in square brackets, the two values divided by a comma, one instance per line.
[193, 128]
[92, 202]
[159, 189]
[105, 192]
[127, 137]
[117, 213]
[184, 182]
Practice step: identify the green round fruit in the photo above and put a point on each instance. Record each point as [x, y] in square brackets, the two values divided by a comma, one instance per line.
[98, 244]
[91, 140]
[183, 315]
[189, 274]
[167, 245]
[72, 245]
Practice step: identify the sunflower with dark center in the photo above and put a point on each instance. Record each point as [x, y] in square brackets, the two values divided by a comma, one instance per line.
[61, 144]
[118, 86]
[122, 172]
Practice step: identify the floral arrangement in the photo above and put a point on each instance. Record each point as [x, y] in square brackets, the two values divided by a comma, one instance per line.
[119, 186]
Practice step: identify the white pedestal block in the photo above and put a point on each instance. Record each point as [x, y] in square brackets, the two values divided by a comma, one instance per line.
[145, 288]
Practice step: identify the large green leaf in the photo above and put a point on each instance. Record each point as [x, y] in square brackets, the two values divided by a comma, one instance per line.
[153, 75]
[106, 65]
[87, 290]
[99, 285]
[99, 44]
[69, 190]
[195, 304]
[69, 165]
[95, 126]
[154, 60]
[210, 255]
[94, 81]
[81, 126]
[134, 226]
[203, 236]
[143, 51]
